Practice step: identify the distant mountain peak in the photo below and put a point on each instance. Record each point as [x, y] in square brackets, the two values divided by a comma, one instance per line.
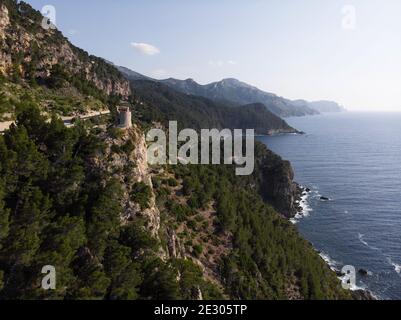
[231, 80]
[191, 81]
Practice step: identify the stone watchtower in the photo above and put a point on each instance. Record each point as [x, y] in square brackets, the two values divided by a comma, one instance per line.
[124, 117]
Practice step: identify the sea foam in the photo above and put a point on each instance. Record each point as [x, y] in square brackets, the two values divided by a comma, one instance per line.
[397, 267]
[306, 209]
[361, 239]
[335, 266]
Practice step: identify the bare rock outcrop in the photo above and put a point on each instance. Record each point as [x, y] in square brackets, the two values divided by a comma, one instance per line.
[4, 20]
[175, 247]
[130, 167]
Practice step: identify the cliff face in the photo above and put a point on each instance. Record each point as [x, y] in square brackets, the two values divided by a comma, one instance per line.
[4, 20]
[275, 181]
[281, 190]
[30, 51]
[130, 167]
[5, 59]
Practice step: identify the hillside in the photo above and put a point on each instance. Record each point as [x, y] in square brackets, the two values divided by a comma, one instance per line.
[162, 103]
[132, 75]
[84, 199]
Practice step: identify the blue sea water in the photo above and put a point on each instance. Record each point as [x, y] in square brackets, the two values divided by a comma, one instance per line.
[355, 160]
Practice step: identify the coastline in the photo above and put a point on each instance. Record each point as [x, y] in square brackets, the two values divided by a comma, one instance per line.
[303, 210]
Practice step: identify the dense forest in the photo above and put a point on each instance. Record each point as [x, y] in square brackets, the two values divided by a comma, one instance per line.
[54, 210]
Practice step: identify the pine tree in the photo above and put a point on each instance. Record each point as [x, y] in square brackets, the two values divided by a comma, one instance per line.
[104, 217]
[59, 248]
[123, 272]
[28, 219]
[4, 226]
[4, 216]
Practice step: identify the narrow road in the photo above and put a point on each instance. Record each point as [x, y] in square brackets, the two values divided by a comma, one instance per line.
[67, 120]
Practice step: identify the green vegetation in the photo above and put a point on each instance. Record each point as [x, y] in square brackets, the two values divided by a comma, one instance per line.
[141, 194]
[65, 102]
[54, 210]
[5, 105]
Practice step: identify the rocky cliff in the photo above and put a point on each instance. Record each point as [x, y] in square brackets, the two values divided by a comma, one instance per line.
[281, 190]
[126, 159]
[30, 51]
[275, 181]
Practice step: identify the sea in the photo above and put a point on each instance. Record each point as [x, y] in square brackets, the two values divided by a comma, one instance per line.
[353, 159]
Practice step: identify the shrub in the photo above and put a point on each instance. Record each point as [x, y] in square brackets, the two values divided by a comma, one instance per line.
[141, 194]
[197, 250]
[192, 224]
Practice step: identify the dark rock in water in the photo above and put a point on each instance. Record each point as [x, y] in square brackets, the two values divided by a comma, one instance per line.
[324, 198]
[363, 272]
[307, 190]
[362, 295]
[339, 273]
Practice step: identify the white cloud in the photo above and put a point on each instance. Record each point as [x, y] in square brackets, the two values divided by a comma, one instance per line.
[145, 48]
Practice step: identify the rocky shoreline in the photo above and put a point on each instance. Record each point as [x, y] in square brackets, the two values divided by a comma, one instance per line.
[301, 194]
[275, 181]
[363, 295]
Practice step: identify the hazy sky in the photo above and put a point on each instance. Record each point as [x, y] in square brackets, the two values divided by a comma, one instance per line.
[347, 51]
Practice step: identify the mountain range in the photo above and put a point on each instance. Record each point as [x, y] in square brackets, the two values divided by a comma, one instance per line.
[233, 92]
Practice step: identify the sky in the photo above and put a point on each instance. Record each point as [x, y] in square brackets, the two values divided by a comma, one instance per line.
[346, 51]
